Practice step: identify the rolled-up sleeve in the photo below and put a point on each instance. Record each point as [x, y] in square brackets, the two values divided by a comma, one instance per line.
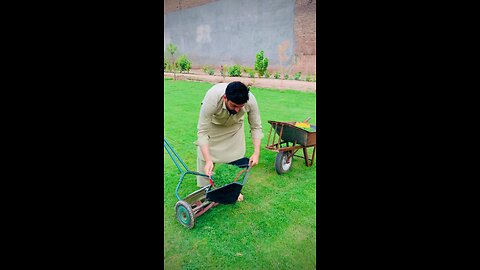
[207, 110]
[254, 119]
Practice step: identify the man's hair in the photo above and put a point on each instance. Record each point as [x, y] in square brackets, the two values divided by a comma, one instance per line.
[237, 92]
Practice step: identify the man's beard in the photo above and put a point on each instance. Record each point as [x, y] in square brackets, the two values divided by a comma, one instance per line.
[232, 112]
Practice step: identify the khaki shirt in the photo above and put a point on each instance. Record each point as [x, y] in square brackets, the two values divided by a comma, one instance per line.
[223, 132]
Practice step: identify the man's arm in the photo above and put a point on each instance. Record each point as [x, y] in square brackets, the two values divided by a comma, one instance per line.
[255, 130]
[256, 152]
[207, 110]
[208, 160]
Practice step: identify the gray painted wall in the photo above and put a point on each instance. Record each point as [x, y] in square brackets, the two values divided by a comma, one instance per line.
[233, 31]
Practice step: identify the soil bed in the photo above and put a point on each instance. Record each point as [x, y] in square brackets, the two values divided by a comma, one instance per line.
[199, 75]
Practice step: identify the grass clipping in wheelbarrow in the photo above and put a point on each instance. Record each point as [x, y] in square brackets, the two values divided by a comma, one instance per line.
[225, 174]
[304, 126]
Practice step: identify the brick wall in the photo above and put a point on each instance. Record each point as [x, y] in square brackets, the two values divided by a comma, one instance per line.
[305, 36]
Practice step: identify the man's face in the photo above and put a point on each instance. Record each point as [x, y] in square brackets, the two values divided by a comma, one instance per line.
[232, 107]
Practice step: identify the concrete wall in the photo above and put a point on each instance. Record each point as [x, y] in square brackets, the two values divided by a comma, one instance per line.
[216, 32]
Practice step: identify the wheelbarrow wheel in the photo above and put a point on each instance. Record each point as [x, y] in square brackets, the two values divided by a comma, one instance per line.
[282, 162]
[185, 214]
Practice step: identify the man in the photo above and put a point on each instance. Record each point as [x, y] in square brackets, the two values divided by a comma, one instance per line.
[221, 136]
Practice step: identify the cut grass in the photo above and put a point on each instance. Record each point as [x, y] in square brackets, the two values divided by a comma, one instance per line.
[225, 174]
[275, 226]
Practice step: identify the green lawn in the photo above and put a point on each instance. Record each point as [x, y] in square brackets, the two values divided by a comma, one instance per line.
[275, 226]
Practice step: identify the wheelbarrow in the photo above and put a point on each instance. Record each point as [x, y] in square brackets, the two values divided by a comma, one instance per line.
[291, 139]
[198, 202]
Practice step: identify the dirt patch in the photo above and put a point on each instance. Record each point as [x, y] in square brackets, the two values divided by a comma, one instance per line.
[196, 75]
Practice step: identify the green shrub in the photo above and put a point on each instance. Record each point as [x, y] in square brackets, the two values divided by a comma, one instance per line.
[314, 77]
[308, 78]
[172, 68]
[285, 76]
[251, 73]
[297, 76]
[267, 74]
[183, 63]
[208, 69]
[261, 64]
[164, 63]
[235, 71]
[276, 75]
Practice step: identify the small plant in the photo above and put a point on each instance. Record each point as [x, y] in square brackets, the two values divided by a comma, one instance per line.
[164, 63]
[308, 78]
[208, 69]
[184, 64]
[223, 71]
[172, 68]
[261, 64]
[285, 76]
[314, 77]
[297, 76]
[235, 71]
[171, 48]
[276, 75]
[251, 73]
[267, 74]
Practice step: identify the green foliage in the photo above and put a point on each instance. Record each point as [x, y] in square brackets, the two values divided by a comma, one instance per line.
[172, 48]
[183, 63]
[308, 78]
[314, 77]
[171, 67]
[267, 74]
[297, 76]
[285, 76]
[276, 75]
[205, 69]
[223, 70]
[249, 71]
[164, 63]
[225, 174]
[235, 71]
[261, 64]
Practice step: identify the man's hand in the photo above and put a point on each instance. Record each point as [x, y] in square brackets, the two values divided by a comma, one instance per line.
[208, 168]
[253, 160]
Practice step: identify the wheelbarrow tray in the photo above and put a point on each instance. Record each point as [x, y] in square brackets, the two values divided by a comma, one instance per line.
[293, 134]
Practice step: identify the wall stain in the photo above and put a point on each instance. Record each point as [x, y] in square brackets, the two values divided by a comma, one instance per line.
[203, 34]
